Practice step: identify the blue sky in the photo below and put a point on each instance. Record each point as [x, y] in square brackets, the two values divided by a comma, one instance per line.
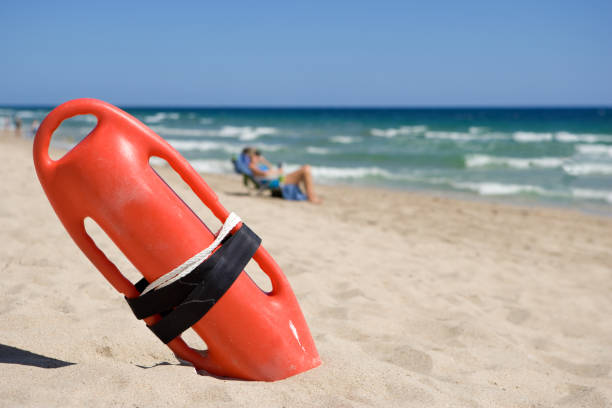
[321, 53]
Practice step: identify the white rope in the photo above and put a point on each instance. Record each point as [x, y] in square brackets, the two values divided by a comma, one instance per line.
[192, 263]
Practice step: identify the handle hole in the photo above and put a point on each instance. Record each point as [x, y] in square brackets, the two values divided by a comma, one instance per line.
[108, 247]
[258, 276]
[185, 193]
[194, 341]
[70, 133]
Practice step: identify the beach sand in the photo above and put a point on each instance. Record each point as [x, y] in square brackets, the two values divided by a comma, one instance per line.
[413, 301]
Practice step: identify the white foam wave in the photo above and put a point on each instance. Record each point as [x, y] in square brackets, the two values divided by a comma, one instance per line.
[212, 166]
[562, 137]
[476, 130]
[592, 194]
[203, 146]
[189, 132]
[525, 137]
[317, 150]
[204, 166]
[488, 188]
[403, 130]
[25, 114]
[463, 136]
[585, 169]
[344, 139]
[594, 149]
[207, 145]
[246, 132]
[347, 173]
[206, 121]
[239, 132]
[584, 137]
[477, 160]
[160, 116]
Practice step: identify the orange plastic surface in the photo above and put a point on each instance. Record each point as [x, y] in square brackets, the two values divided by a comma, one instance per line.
[250, 334]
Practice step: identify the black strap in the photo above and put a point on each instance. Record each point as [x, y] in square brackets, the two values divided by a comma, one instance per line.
[188, 299]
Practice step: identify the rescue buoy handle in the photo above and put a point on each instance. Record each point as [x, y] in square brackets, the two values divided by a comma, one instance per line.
[49, 125]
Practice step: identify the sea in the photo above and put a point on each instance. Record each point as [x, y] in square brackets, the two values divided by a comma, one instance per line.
[530, 156]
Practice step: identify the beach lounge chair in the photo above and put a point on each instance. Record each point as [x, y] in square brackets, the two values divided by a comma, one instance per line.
[241, 166]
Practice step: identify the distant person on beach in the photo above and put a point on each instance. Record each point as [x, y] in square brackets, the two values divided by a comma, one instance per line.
[17, 122]
[263, 169]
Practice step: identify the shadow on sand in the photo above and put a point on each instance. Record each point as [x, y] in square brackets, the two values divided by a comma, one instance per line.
[14, 355]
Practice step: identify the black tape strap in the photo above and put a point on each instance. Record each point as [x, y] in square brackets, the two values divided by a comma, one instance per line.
[185, 301]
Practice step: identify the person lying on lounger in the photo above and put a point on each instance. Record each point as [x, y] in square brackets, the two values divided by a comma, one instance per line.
[263, 170]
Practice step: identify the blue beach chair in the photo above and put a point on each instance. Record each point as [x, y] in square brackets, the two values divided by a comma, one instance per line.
[241, 166]
[276, 187]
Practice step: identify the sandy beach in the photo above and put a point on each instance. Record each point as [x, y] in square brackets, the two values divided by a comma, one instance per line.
[413, 300]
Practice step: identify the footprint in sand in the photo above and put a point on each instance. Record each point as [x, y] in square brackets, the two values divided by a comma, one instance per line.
[104, 351]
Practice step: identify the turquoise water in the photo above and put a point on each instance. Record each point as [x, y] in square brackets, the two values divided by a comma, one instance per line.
[550, 156]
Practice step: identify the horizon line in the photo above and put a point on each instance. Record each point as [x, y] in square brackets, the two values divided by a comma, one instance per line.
[357, 107]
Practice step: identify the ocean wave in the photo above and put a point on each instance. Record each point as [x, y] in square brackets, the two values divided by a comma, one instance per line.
[188, 132]
[585, 169]
[317, 150]
[348, 172]
[476, 130]
[207, 145]
[462, 136]
[204, 166]
[25, 114]
[239, 132]
[212, 166]
[501, 189]
[562, 137]
[525, 137]
[161, 116]
[403, 130]
[88, 118]
[581, 137]
[592, 194]
[594, 149]
[491, 188]
[246, 132]
[344, 139]
[477, 160]
[204, 146]
[206, 121]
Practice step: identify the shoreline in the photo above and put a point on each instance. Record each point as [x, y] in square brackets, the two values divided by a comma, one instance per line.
[411, 299]
[593, 209]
